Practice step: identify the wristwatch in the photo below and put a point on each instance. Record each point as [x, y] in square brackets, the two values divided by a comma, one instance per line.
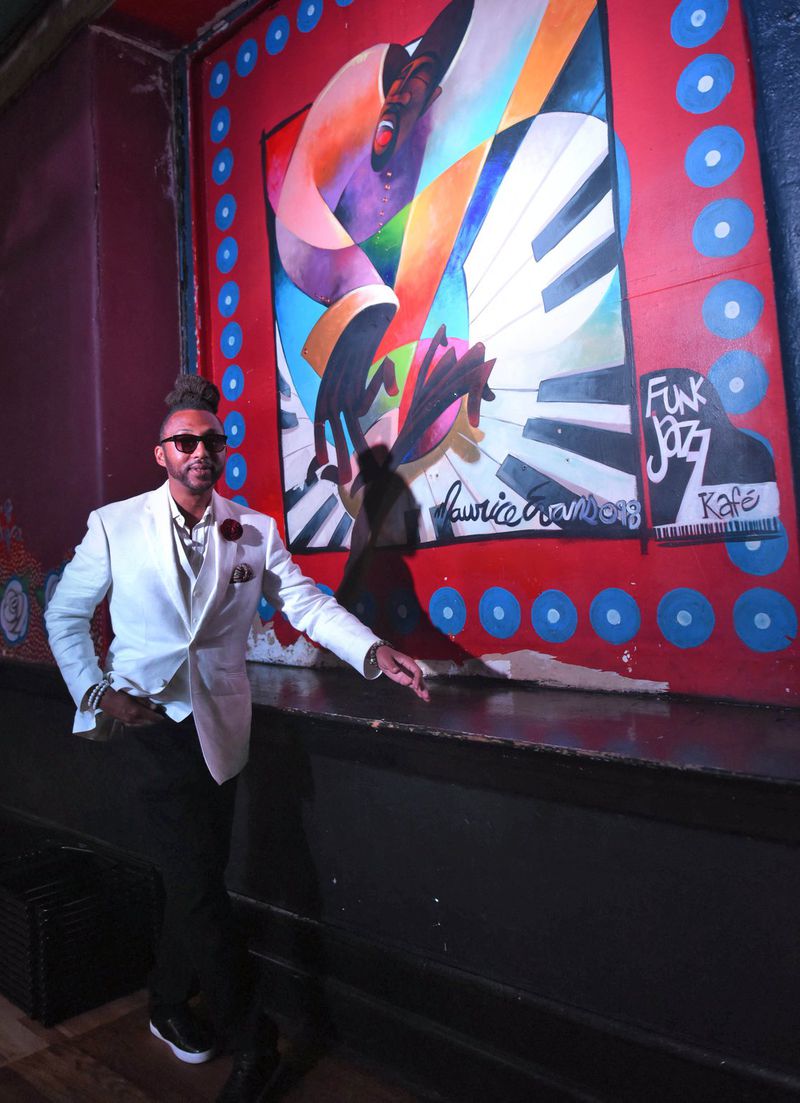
[372, 654]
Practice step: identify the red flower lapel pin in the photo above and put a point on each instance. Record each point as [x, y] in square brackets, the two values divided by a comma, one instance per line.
[230, 529]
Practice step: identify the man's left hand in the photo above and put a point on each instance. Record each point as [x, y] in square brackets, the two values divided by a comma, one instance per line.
[402, 669]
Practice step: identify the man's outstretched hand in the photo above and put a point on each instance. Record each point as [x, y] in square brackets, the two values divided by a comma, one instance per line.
[402, 669]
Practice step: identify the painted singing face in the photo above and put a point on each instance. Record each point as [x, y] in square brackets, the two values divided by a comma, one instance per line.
[409, 96]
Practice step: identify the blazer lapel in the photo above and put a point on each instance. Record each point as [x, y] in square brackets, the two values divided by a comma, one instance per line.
[224, 557]
[158, 528]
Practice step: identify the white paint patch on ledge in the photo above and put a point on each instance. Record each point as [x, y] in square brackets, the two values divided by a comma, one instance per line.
[518, 666]
[533, 666]
[264, 647]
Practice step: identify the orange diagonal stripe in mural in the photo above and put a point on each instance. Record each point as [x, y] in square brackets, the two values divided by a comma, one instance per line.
[559, 31]
[433, 226]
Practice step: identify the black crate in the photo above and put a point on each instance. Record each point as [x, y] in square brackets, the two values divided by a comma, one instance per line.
[77, 929]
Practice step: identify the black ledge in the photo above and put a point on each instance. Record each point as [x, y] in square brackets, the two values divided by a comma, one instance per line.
[706, 764]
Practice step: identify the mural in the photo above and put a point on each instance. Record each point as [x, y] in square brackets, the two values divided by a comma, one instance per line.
[486, 288]
[445, 273]
[25, 589]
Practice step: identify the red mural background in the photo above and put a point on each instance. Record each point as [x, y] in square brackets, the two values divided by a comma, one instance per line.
[702, 611]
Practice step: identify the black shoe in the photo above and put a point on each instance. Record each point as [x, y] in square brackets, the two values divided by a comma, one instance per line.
[250, 1076]
[188, 1038]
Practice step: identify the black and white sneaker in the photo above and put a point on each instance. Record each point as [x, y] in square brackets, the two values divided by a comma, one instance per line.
[188, 1038]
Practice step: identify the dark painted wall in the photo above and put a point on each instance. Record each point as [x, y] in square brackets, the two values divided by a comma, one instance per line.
[48, 302]
[650, 923]
[485, 885]
[139, 301]
[89, 292]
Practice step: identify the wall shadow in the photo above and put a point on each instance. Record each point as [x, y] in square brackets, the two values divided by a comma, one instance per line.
[377, 584]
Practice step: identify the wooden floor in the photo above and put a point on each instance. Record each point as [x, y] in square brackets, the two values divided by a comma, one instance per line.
[109, 1056]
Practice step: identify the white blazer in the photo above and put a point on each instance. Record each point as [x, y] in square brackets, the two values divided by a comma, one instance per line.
[128, 554]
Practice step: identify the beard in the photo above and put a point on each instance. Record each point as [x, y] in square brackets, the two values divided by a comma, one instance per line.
[197, 476]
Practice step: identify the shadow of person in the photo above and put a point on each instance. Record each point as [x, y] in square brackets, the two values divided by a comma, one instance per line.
[377, 584]
[389, 515]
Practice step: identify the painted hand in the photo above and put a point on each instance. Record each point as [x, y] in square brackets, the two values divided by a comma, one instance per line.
[345, 394]
[402, 669]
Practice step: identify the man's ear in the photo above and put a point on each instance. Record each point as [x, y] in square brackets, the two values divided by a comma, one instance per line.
[159, 454]
[432, 100]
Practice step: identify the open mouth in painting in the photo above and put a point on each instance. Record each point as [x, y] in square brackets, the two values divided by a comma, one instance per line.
[384, 133]
[385, 138]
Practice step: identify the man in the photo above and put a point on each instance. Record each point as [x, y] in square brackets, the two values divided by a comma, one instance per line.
[184, 570]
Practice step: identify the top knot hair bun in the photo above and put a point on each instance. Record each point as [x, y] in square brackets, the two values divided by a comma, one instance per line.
[192, 392]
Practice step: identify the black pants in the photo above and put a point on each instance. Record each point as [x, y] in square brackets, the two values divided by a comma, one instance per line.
[187, 819]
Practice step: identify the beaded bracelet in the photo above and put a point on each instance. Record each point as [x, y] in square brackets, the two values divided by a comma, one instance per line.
[372, 654]
[96, 692]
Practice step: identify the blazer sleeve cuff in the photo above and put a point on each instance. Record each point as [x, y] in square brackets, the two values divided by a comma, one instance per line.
[371, 671]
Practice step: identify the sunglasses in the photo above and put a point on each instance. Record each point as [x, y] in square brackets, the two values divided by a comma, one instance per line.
[187, 442]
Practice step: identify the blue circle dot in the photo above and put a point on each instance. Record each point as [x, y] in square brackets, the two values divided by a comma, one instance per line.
[265, 610]
[247, 57]
[762, 555]
[740, 379]
[219, 80]
[230, 341]
[225, 212]
[732, 308]
[220, 124]
[499, 613]
[404, 611]
[240, 498]
[277, 35]
[704, 83]
[685, 617]
[765, 620]
[723, 228]
[554, 617]
[615, 616]
[309, 13]
[365, 608]
[324, 588]
[714, 155]
[228, 299]
[344, 3]
[222, 166]
[235, 471]
[227, 254]
[232, 383]
[234, 427]
[695, 22]
[447, 610]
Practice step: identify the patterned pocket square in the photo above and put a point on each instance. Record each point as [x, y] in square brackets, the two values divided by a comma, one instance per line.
[242, 572]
